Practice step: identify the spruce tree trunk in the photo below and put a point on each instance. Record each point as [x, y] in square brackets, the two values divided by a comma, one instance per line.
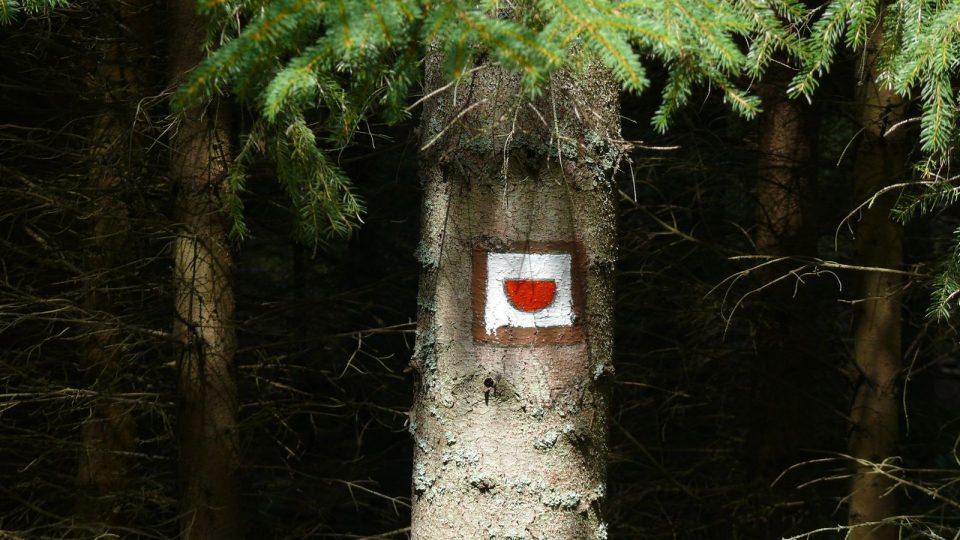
[109, 433]
[781, 415]
[204, 326]
[876, 351]
[785, 228]
[510, 415]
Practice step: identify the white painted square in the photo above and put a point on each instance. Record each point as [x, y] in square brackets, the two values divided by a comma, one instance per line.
[501, 311]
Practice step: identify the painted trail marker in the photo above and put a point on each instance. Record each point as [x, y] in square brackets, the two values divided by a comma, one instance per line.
[529, 294]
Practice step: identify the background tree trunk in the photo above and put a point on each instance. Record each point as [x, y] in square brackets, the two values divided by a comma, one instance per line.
[877, 361]
[782, 404]
[109, 434]
[785, 228]
[510, 439]
[209, 453]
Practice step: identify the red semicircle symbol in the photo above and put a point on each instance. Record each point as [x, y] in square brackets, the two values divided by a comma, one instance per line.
[530, 295]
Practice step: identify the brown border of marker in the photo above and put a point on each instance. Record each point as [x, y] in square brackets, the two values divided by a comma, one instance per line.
[548, 335]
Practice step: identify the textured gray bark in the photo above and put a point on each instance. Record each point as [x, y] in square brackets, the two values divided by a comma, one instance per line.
[510, 439]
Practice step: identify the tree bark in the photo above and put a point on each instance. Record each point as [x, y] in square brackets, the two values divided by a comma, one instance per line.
[785, 228]
[109, 433]
[510, 428]
[781, 419]
[877, 360]
[204, 326]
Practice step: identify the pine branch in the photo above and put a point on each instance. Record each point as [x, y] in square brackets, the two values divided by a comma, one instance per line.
[354, 59]
[10, 10]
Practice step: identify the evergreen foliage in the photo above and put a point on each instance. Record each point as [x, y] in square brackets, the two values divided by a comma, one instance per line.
[322, 69]
[920, 62]
[946, 284]
[10, 9]
[921, 55]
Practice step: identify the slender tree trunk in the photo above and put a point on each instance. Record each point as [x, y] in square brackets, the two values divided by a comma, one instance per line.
[785, 228]
[209, 453]
[109, 433]
[510, 414]
[876, 351]
[781, 419]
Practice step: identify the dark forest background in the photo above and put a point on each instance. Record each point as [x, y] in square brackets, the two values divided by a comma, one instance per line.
[326, 331]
